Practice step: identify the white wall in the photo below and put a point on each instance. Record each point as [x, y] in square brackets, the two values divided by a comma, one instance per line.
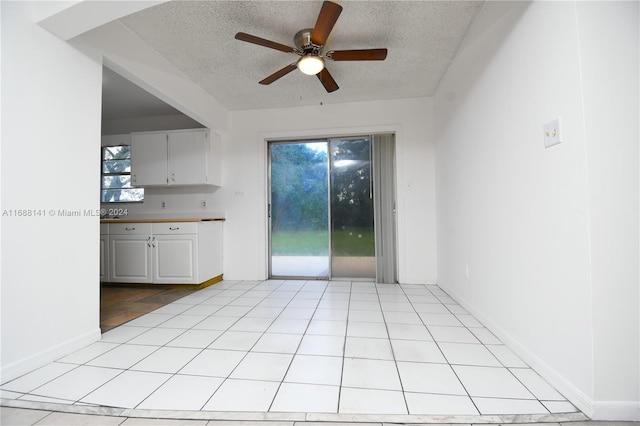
[50, 138]
[244, 189]
[609, 48]
[550, 236]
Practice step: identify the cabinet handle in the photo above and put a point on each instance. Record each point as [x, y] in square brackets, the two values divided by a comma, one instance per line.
[153, 242]
[174, 229]
[149, 242]
[133, 178]
[173, 177]
[130, 229]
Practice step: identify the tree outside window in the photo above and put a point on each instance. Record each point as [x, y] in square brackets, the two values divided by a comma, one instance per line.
[116, 184]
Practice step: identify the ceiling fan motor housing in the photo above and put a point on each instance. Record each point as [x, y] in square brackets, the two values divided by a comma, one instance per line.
[302, 41]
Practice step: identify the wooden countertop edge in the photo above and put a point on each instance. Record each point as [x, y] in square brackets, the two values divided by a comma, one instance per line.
[206, 219]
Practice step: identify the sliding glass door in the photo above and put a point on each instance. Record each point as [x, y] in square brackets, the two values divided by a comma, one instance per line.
[299, 210]
[321, 209]
[352, 235]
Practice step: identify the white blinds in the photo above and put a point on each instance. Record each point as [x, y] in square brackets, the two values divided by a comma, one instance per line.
[384, 210]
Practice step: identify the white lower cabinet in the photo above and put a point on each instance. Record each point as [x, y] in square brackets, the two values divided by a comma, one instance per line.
[175, 253]
[130, 253]
[165, 253]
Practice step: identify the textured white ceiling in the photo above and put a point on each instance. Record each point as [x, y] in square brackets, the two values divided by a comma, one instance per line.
[422, 38]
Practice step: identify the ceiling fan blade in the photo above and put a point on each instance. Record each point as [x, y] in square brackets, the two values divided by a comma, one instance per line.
[327, 81]
[264, 42]
[278, 74]
[326, 20]
[358, 55]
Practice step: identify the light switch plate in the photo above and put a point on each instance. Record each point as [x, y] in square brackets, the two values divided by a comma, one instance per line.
[552, 133]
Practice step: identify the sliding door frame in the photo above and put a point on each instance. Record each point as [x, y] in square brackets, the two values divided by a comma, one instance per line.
[269, 138]
[270, 143]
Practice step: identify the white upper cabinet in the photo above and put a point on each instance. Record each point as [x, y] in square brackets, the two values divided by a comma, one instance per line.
[181, 157]
[149, 159]
[188, 152]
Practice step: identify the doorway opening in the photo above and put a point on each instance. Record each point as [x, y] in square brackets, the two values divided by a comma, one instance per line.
[332, 208]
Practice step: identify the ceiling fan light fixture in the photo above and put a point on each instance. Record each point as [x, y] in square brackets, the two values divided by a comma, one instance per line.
[310, 64]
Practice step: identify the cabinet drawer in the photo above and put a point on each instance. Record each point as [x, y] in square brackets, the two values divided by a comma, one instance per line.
[104, 229]
[175, 228]
[129, 229]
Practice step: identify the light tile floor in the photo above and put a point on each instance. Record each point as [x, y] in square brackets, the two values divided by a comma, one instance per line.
[299, 350]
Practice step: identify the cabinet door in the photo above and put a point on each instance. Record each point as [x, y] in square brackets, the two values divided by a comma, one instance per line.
[188, 157]
[130, 258]
[175, 259]
[210, 249]
[149, 159]
[104, 258]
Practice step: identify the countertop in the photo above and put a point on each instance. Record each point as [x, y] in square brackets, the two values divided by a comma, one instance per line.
[161, 220]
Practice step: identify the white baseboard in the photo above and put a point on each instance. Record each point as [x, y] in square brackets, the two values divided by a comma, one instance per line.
[566, 388]
[616, 410]
[23, 366]
[596, 410]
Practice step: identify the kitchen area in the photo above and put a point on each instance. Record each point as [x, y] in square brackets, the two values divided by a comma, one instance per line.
[159, 238]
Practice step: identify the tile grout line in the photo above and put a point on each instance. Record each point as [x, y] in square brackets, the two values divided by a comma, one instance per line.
[299, 343]
[158, 348]
[393, 352]
[147, 356]
[192, 358]
[224, 331]
[502, 366]
[344, 348]
[442, 353]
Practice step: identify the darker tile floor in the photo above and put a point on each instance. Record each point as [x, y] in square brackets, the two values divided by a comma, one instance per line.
[119, 305]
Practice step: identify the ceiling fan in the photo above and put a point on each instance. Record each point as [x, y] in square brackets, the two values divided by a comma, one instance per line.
[310, 45]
